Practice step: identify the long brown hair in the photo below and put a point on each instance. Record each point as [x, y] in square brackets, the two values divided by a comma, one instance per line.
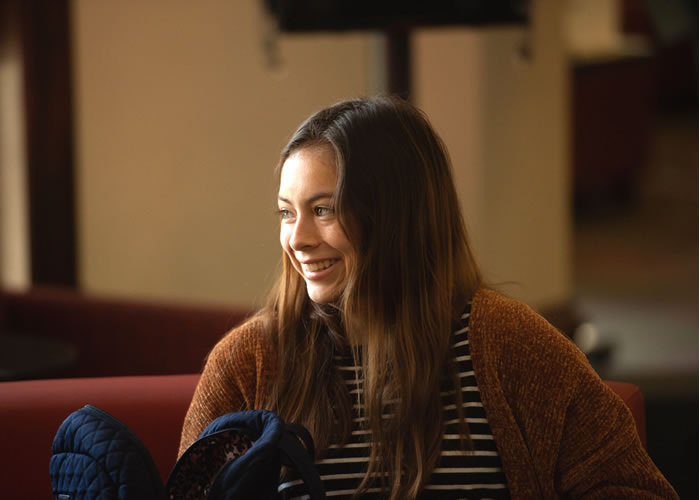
[410, 278]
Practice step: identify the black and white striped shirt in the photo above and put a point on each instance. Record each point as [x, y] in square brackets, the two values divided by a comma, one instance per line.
[478, 474]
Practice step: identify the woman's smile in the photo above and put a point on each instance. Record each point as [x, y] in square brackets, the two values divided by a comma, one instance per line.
[319, 269]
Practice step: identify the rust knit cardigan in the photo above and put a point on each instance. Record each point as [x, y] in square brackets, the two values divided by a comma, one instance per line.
[560, 431]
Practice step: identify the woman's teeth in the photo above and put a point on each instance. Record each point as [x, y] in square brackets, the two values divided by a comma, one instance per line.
[319, 266]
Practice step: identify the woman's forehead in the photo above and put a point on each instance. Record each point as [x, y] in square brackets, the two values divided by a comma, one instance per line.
[307, 172]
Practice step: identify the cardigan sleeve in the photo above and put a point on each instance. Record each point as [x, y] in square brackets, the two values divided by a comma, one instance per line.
[230, 381]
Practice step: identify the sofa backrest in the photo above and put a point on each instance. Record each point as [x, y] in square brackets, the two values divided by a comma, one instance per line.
[116, 337]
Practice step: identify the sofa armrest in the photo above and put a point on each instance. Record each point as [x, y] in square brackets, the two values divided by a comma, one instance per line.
[31, 411]
[633, 398]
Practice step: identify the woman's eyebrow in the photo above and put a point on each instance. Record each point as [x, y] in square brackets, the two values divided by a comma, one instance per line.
[310, 199]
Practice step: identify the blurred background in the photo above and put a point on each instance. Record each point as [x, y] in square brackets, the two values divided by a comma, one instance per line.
[138, 141]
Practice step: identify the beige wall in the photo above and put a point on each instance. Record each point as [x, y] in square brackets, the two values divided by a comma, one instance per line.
[179, 124]
[592, 26]
[505, 119]
[180, 121]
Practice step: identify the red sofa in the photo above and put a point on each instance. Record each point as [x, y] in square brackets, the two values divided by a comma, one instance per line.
[129, 345]
[152, 406]
[130, 359]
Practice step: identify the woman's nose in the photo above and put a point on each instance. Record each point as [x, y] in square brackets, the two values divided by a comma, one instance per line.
[304, 234]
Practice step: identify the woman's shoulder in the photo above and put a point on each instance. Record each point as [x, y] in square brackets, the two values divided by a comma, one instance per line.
[247, 339]
[252, 328]
[506, 324]
[501, 312]
[516, 349]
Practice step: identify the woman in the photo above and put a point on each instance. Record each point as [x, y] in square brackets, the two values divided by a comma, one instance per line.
[414, 379]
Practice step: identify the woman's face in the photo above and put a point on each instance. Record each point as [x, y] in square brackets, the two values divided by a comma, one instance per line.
[310, 232]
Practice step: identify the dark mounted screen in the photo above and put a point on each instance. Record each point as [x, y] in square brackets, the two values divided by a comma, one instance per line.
[341, 15]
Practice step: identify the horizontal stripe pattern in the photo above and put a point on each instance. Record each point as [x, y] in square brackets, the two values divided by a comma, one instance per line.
[474, 474]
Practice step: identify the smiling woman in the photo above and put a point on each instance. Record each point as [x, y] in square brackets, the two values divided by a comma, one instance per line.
[414, 379]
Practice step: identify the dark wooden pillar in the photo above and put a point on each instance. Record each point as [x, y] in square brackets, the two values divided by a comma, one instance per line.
[399, 61]
[45, 32]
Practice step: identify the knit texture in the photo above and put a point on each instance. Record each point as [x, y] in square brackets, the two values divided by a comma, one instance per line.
[560, 431]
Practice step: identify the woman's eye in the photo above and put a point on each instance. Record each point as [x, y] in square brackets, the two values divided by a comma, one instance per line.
[321, 211]
[285, 214]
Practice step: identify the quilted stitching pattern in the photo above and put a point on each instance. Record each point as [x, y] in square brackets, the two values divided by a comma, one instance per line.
[82, 477]
[97, 457]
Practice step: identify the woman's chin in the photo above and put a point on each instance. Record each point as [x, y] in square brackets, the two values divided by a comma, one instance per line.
[322, 294]
[322, 298]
